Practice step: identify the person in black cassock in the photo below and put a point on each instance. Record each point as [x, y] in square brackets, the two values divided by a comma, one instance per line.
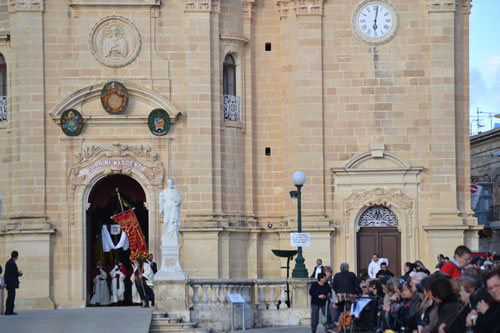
[11, 277]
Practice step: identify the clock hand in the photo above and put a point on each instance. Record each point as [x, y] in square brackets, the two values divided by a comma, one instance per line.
[375, 21]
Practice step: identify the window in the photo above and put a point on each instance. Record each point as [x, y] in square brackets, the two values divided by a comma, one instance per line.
[3, 89]
[229, 76]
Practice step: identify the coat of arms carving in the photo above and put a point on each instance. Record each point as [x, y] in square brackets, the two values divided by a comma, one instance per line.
[115, 41]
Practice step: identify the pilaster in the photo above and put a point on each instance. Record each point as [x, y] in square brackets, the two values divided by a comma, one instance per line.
[199, 40]
[303, 104]
[443, 160]
[26, 110]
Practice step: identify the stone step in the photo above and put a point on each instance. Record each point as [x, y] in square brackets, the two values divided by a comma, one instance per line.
[162, 323]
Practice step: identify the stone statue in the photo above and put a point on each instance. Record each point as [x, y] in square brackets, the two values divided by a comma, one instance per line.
[170, 206]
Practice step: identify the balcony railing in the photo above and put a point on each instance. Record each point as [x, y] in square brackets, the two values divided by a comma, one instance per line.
[231, 108]
[3, 108]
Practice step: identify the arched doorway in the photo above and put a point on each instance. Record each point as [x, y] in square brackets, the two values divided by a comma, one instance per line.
[104, 203]
[378, 233]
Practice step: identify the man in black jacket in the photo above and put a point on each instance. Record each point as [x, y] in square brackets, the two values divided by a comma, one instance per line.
[346, 285]
[11, 277]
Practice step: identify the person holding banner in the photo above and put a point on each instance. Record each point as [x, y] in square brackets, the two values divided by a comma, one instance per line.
[143, 279]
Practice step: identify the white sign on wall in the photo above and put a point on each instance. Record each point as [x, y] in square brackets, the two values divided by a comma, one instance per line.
[302, 239]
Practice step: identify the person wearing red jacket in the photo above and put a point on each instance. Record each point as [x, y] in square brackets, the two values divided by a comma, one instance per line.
[454, 267]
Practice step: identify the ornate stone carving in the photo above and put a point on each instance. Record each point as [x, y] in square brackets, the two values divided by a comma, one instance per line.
[359, 200]
[465, 6]
[284, 7]
[378, 216]
[309, 7]
[202, 5]
[442, 5]
[248, 6]
[25, 6]
[115, 41]
[116, 158]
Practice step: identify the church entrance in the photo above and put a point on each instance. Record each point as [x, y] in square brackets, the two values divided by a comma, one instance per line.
[103, 204]
[378, 233]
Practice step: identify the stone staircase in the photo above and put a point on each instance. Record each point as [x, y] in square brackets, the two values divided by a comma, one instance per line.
[162, 323]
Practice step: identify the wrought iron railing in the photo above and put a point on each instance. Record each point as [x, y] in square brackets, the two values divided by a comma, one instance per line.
[3, 108]
[231, 108]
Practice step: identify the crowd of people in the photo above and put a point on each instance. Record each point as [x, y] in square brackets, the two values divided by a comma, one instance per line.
[109, 283]
[461, 294]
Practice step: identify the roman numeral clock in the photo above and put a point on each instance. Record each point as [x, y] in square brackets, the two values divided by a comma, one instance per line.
[375, 21]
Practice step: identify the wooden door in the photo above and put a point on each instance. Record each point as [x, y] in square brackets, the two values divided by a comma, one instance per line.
[384, 241]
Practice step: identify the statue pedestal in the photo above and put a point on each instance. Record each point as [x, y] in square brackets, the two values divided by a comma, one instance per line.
[170, 269]
[173, 297]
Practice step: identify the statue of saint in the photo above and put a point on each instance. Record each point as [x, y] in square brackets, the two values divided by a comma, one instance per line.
[170, 206]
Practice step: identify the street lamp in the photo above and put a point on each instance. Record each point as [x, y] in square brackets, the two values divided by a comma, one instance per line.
[300, 270]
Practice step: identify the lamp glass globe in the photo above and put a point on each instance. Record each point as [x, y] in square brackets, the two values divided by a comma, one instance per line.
[299, 178]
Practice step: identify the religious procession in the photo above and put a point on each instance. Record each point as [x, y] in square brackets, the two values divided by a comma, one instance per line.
[460, 294]
[124, 270]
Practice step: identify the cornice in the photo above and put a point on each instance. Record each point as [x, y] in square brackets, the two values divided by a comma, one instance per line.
[301, 7]
[202, 6]
[442, 5]
[25, 6]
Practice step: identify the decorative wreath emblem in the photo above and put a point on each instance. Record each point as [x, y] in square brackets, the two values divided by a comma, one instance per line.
[159, 122]
[71, 122]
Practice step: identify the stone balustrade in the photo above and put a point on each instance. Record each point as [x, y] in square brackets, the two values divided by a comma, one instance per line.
[266, 302]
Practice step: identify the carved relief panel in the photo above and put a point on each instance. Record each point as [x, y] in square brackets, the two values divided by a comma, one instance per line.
[115, 41]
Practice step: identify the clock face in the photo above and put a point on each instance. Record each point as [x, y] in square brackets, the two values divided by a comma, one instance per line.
[375, 21]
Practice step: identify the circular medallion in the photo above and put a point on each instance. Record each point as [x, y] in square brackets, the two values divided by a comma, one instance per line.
[375, 21]
[114, 97]
[115, 41]
[159, 122]
[71, 122]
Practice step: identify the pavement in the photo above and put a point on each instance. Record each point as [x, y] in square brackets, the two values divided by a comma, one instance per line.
[96, 320]
[106, 320]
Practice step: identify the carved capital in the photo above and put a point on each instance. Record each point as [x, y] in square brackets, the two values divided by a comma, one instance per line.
[25, 6]
[465, 6]
[442, 5]
[284, 7]
[248, 6]
[202, 6]
[309, 7]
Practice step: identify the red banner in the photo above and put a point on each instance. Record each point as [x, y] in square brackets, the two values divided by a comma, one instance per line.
[128, 222]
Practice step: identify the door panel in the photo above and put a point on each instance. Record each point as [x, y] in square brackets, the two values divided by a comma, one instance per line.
[384, 241]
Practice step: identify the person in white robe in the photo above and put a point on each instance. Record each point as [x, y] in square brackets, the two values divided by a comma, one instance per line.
[101, 291]
[118, 274]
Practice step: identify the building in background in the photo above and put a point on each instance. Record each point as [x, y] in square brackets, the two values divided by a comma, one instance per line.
[485, 185]
[230, 97]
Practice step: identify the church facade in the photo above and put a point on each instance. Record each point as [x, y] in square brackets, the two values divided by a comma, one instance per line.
[369, 98]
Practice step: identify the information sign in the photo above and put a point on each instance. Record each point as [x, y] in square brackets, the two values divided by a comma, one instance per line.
[302, 239]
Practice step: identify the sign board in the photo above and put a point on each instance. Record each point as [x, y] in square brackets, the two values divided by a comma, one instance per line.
[300, 239]
[235, 298]
[473, 188]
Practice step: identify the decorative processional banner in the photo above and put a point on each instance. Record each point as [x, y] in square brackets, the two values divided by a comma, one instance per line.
[129, 223]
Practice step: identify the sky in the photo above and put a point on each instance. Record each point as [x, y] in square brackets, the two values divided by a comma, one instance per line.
[484, 64]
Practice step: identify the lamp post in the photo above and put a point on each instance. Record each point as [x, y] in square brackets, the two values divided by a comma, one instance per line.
[300, 270]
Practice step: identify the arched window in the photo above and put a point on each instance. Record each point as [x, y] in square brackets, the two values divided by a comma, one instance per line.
[229, 76]
[3, 89]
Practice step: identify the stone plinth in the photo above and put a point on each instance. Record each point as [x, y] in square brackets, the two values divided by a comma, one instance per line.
[172, 297]
[170, 268]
